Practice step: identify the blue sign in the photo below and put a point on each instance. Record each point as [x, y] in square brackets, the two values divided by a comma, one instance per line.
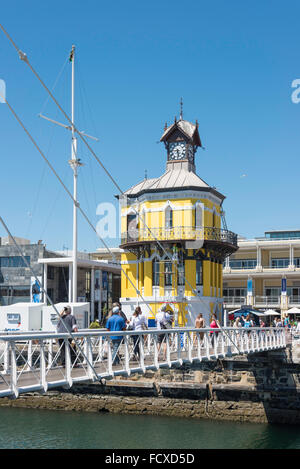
[104, 280]
[249, 285]
[283, 285]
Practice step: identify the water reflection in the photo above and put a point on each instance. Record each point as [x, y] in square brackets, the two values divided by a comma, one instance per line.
[28, 428]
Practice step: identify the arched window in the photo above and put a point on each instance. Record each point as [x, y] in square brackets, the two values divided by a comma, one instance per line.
[132, 226]
[168, 274]
[198, 216]
[181, 274]
[199, 272]
[155, 272]
[168, 218]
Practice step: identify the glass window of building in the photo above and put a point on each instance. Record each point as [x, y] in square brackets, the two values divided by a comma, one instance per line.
[198, 216]
[273, 291]
[199, 272]
[242, 263]
[181, 273]
[282, 234]
[14, 261]
[168, 274]
[155, 272]
[169, 218]
[280, 263]
[50, 272]
[235, 292]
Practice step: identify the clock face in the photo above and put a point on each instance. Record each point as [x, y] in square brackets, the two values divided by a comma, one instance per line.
[177, 151]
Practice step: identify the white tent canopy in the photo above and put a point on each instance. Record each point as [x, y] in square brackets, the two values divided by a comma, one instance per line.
[271, 312]
[293, 311]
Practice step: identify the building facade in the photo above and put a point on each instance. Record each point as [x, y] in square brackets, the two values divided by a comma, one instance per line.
[98, 281]
[16, 279]
[264, 272]
[173, 246]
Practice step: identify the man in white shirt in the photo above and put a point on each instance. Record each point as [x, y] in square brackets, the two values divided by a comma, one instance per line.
[163, 321]
[138, 322]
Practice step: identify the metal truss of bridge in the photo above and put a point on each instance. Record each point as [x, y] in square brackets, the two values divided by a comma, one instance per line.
[39, 362]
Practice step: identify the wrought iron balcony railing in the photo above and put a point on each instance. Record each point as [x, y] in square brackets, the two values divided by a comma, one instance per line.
[176, 233]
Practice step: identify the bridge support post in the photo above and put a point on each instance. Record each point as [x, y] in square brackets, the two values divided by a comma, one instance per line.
[29, 355]
[190, 346]
[167, 338]
[89, 359]
[109, 358]
[43, 378]
[127, 356]
[14, 375]
[6, 357]
[68, 363]
[155, 346]
[179, 347]
[142, 353]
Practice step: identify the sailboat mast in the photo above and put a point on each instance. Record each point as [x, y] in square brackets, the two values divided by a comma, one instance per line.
[75, 174]
[74, 162]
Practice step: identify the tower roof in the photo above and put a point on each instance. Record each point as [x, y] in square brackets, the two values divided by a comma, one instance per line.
[180, 174]
[177, 177]
[189, 130]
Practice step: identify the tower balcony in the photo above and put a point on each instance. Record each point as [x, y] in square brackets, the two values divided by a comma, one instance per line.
[214, 237]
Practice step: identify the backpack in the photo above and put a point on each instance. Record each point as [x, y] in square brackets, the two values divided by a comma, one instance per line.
[164, 323]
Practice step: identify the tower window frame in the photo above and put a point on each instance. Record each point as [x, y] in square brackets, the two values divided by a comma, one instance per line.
[168, 218]
[155, 272]
[168, 274]
[181, 274]
[199, 272]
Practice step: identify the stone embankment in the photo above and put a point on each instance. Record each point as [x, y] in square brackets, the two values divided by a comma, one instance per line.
[262, 387]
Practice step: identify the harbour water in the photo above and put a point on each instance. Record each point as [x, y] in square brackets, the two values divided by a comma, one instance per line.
[41, 429]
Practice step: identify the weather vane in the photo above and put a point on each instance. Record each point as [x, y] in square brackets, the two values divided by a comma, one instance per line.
[181, 106]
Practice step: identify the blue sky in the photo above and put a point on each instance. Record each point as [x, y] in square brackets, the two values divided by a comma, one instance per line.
[232, 62]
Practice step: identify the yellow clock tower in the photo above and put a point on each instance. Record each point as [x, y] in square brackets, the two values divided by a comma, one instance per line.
[174, 246]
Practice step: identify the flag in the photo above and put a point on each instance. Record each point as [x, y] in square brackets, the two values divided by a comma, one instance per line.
[71, 55]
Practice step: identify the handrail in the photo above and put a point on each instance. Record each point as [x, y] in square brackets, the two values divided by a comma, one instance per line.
[178, 232]
[36, 361]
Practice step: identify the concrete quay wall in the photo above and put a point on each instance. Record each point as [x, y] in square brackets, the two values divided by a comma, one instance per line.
[259, 388]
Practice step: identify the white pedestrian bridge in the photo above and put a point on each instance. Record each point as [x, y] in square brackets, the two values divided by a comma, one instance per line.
[41, 361]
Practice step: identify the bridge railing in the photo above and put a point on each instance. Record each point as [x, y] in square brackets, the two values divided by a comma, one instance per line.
[38, 362]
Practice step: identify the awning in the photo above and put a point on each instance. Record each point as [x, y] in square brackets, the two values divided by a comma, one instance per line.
[293, 311]
[271, 312]
[244, 312]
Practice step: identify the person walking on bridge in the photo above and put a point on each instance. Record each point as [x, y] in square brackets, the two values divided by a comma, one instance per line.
[116, 323]
[67, 323]
[138, 322]
[213, 325]
[200, 324]
[163, 321]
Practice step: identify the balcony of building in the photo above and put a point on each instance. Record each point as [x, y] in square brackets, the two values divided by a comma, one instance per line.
[136, 236]
[258, 301]
[253, 267]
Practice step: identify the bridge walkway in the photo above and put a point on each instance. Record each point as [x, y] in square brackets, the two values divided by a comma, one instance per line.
[31, 362]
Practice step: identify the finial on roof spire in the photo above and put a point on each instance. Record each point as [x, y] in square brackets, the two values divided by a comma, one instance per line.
[146, 175]
[181, 110]
[175, 120]
[166, 126]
